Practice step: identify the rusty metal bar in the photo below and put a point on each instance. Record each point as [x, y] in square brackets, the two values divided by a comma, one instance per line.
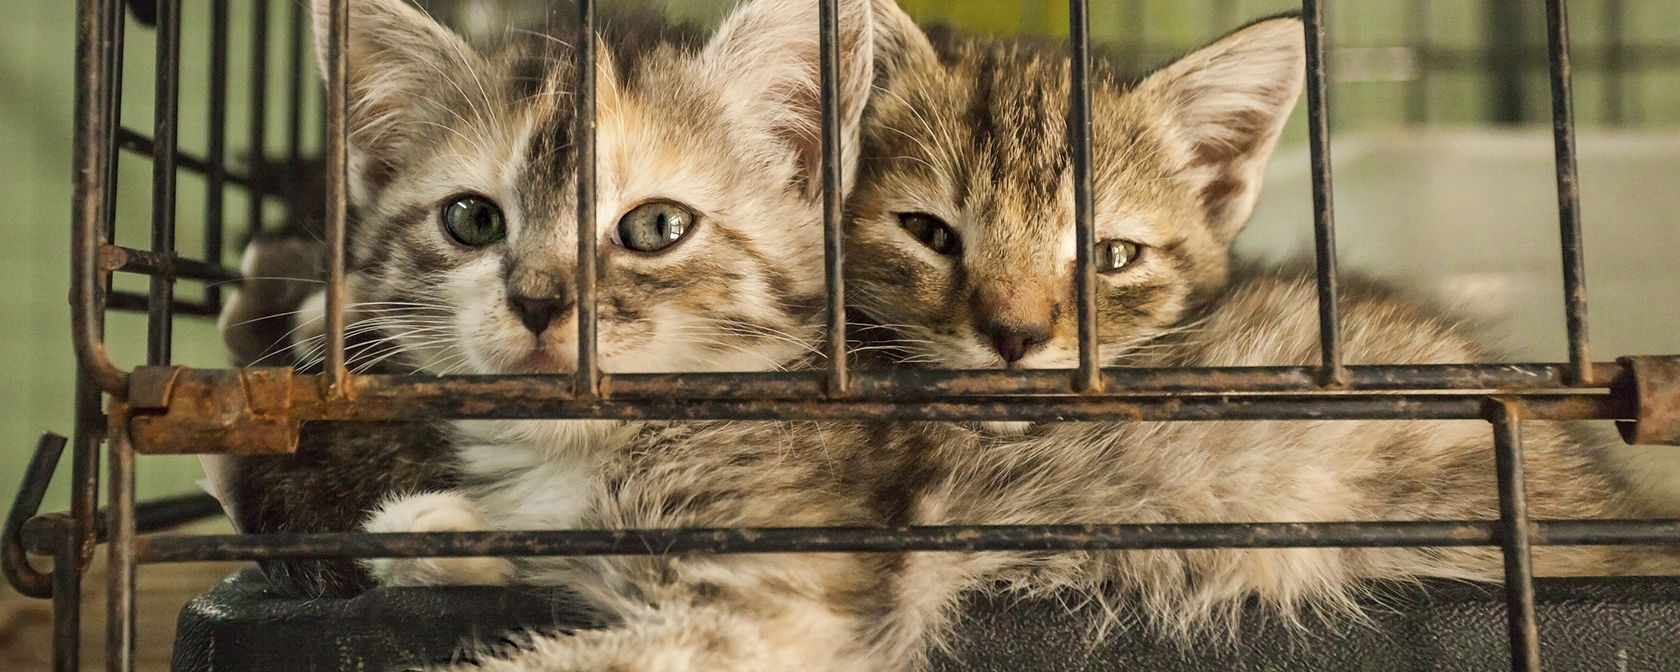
[1089, 377]
[964, 538]
[1568, 189]
[173, 266]
[338, 190]
[838, 380]
[1515, 538]
[1332, 373]
[166, 118]
[1652, 384]
[68, 564]
[92, 166]
[587, 379]
[37, 477]
[120, 549]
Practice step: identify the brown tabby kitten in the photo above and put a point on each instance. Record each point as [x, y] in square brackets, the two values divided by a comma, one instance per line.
[970, 132]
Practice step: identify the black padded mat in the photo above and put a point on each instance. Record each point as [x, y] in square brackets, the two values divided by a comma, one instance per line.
[1586, 625]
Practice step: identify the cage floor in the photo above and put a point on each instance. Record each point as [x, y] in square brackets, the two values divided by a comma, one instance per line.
[1621, 624]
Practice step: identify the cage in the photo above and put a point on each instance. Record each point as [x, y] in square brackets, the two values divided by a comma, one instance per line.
[163, 408]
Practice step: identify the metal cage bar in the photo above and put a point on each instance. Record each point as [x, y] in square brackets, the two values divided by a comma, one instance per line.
[1503, 394]
[1089, 377]
[1514, 538]
[1332, 374]
[838, 380]
[586, 382]
[1568, 190]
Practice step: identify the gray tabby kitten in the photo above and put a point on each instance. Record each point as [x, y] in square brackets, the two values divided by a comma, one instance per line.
[970, 132]
[463, 179]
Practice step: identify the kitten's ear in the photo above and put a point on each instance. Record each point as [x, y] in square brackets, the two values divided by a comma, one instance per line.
[899, 43]
[1228, 102]
[403, 68]
[765, 59]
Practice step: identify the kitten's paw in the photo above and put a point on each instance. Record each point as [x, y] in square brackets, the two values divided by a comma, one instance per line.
[434, 512]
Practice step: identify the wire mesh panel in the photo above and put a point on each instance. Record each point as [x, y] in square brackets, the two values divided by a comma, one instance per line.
[162, 408]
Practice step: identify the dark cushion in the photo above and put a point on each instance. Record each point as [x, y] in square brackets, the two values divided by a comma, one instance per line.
[1608, 625]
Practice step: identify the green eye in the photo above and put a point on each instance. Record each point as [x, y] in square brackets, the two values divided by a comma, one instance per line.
[933, 232]
[474, 221]
[1113, 255]
[653, 226]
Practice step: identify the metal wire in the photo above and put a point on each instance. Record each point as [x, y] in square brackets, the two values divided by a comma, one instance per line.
[1579, 389]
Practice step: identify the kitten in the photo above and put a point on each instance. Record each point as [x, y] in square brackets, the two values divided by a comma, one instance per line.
[462, 175]
[1179, 156]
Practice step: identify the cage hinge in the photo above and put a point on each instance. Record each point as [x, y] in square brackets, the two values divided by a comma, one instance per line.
[179, 410]
[1653, 382]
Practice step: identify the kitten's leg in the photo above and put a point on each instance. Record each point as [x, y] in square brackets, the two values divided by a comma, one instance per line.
[434, 512]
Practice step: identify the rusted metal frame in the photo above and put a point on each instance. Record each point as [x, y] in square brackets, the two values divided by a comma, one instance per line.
[132, 141]
[587, 379]
[215, 153]
[41, 534]
[174, 266]
[1515, 538]
[336, 376]
[837, 381]
[160, 320]
[1652, 384]
[1568, 189]
[37, 477]
[93, 164]
[68, 565]
[1088, 377]
[120, 548]
[1332, 373]
[957, 538]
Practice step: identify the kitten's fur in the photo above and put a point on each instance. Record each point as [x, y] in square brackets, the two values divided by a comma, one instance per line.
[1179, 159]
[727, 128]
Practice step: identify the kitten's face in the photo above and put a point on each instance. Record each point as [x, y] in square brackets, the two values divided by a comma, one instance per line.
[962, 232]
[708, 234]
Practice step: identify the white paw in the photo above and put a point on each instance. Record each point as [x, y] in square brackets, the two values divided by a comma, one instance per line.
[434, 512]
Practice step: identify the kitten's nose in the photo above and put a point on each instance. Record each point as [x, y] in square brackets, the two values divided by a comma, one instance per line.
[1013, 342]
[537, 314]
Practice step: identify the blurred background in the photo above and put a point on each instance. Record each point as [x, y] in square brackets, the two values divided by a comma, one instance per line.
[1442, 154]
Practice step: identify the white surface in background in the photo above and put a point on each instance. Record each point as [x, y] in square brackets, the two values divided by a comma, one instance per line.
[1471, 218]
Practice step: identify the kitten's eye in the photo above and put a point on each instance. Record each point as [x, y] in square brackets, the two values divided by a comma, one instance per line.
[653, 226]
[474, 220]
[935, 234]
[1113, 255]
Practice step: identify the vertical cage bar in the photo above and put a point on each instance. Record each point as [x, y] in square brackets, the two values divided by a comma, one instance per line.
[338, 182]
[1514, 535]
[115, 29]
[295, 64]
[165, 124]
[258, 139]
[67, 603]
[1568, 192]
[587, 381]
[119, 546]
[834, 252]
[215, 154]
[93, 163]
[1089, 375]
[1331, 373]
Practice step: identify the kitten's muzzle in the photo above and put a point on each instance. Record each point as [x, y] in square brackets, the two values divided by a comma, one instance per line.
[537, 313]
